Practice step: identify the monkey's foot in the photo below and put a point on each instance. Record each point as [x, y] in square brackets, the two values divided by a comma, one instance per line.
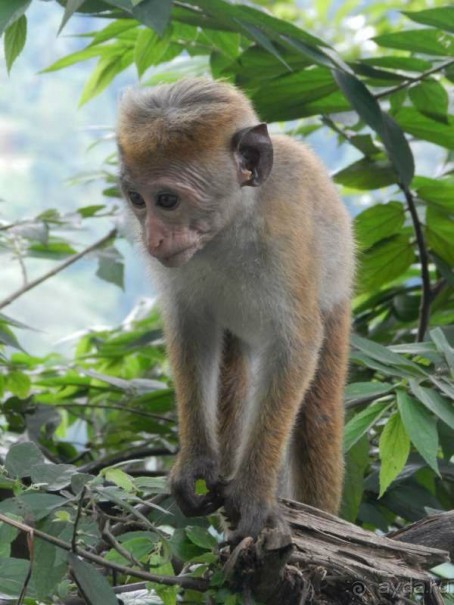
[247, 518]
[196, 486]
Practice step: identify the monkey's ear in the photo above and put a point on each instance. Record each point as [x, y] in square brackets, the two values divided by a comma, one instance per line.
[253, 152]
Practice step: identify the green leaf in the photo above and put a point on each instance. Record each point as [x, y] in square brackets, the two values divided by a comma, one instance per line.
[431, 99]
[13, 573]
[356, 462]
[94, 586]
[441, 17]
[369, 110]
[54, 476]
[226, 42]
[21, 457]
[7, 337]
[287, 97]
[384, 355]
[360, 391]
[71, 6]
[384, 262]
[91, 52]
[434, 402]
[442, 345]
[154, 14]
[421, 427]
[362, 422]
[107, 68]
[10, 11]
[111, 266]
[439, 233]
[422, 127]
[18, 383]
[426, 41]
[182, 547]
[149, 49]
[7, 535]
[32, 505]
[261, 38]
[200, 536]
[367, 174]
[201, 487]
[14, 40]
[394, 447]
[436, 191]
[378, 222]
[120, 478]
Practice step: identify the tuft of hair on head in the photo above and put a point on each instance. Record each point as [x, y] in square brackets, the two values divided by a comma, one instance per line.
[191, 113]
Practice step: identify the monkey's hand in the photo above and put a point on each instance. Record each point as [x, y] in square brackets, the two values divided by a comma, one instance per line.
[196, 486]
[247, 515]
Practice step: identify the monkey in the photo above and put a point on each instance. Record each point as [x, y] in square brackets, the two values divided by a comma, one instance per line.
[251, 252]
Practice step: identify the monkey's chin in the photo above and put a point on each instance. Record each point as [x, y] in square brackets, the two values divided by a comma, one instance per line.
[180, 258]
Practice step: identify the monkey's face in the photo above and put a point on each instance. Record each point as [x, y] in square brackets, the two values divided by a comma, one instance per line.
[180, 205]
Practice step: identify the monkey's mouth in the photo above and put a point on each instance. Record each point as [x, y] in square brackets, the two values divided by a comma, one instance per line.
[180, 258]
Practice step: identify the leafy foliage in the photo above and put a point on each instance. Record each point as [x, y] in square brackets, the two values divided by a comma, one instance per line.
[100, 428]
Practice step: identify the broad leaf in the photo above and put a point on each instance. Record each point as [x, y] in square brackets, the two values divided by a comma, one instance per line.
[10, 11]
[421, 427]
[394, 447]
[368, 108]
[431, 99]
[362, 422]
[94, 586]
[434, 402]
[356, 462]
[439, 229]
[384, 355]
[111, 266]
[436, 191]
[71, 7]
[21, 457]
[200, 536]
[367, 174]
[441, 17]
[378, 222]
[104, 73]
[154, 14]
[12, 575]
[426, 41]
[14, 40]
[384, 262]
[363, 391]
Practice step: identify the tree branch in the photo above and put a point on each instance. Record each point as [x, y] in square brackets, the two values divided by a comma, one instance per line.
[69, 261]
[426, 292]
[185, 582]
[411, 81]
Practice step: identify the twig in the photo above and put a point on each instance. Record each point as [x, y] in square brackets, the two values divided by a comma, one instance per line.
[69, 261]
[23, 592]
[426, 292]
[76, 520]
[115, 406]
[410, 81]
[118, 547]
[198, 584]
[125, 455]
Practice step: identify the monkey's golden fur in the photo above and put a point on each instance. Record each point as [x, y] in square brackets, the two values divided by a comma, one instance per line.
[256, 304]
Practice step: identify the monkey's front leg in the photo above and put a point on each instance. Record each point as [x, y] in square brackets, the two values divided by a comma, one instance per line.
[194, 347]
[283, 376]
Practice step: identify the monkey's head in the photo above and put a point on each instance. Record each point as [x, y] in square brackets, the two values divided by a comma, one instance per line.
[186, 152]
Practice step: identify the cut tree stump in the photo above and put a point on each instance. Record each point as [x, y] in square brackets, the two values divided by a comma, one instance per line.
[328, 561]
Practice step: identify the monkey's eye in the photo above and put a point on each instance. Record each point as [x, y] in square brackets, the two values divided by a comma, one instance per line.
[167, 201]
[136, 199]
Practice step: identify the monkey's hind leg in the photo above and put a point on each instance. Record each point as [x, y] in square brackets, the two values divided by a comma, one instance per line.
[315, 451]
